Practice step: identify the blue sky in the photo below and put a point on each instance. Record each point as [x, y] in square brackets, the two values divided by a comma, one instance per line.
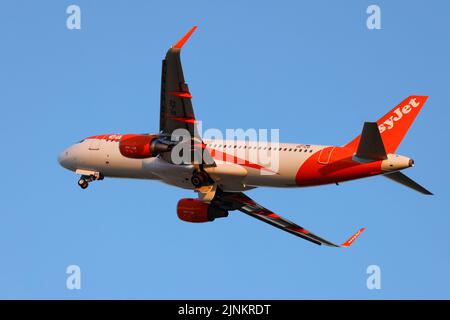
[311, 69]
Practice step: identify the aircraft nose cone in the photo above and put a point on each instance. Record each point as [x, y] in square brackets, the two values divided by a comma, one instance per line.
[63, 159]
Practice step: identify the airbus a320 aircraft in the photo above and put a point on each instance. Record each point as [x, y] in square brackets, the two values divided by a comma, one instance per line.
[226, 168]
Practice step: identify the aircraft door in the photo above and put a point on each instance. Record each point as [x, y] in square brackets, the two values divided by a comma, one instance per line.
[325, 155]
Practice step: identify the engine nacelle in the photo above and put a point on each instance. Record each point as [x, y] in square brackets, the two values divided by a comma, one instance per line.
[141, 146]
[195, 210]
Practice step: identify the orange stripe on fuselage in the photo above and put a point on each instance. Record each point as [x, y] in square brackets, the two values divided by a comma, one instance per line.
[107, 137]
[340, 167]
[219, 155]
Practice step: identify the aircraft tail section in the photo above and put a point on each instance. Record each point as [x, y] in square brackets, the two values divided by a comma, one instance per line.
[394, 124]
[370, 146]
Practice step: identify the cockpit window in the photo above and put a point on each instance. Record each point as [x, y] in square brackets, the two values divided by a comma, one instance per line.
[81, 141]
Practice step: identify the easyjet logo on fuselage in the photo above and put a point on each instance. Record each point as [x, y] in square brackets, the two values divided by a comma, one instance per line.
[389, 123]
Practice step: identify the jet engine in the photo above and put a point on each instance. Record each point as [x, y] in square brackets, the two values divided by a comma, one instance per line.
[195, 210]
[141, 146]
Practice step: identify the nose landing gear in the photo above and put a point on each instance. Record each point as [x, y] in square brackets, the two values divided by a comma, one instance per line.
[86, 179]
[83, 183]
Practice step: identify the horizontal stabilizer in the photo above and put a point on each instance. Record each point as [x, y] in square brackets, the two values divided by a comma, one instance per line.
[404, 180]
[370, 145]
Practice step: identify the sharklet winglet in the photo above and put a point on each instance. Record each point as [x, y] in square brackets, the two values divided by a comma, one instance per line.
[185, 38]
[352, 239]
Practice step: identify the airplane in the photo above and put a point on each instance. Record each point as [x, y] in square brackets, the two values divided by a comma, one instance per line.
[220, 171]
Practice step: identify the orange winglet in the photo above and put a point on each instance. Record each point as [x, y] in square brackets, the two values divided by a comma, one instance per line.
[352, 239]
[185, 38]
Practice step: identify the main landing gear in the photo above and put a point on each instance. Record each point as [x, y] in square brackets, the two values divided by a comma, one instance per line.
[199, 179]
[86, 179]
[204, 185]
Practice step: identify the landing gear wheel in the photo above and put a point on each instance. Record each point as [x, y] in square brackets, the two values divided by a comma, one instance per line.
[83, 183]
[199, 179]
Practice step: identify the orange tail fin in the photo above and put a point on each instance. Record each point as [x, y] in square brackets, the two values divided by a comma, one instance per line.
[394, 124]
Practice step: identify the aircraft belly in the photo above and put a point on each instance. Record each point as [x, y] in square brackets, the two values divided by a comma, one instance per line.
[176, 175]
[282, 175]
[229, 176]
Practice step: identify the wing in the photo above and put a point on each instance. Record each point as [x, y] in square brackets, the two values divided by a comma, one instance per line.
[241, 202]
[176, 107]
[176, 111]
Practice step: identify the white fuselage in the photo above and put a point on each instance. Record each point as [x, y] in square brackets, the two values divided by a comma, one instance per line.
[239, 165]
